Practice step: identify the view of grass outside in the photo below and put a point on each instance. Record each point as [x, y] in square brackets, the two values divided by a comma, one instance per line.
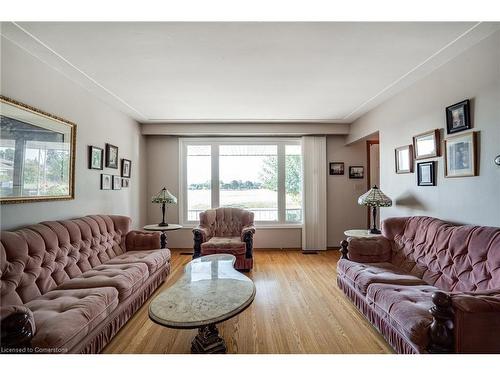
[199, 174]
[248, 178]
[45, 169]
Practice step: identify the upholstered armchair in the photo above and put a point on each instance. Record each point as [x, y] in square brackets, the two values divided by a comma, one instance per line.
[226, 230]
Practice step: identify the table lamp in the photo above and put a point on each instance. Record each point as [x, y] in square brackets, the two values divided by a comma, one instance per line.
[374, 198]
[164, 197]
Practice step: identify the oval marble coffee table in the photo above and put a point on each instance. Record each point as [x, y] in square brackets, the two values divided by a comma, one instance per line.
[210, 292]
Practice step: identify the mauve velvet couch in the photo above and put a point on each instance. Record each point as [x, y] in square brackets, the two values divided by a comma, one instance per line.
[427, 285]
[226, 230]
[69, 286]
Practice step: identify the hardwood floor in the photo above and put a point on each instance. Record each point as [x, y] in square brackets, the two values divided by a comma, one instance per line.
[298, 308]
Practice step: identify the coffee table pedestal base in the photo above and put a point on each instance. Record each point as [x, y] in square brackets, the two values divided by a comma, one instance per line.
[208, 341]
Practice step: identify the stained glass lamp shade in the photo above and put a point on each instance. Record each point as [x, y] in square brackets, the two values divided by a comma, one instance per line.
[374, 198]
[164, 197]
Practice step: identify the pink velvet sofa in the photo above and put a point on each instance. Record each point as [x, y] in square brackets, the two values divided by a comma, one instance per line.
[69, 286]
[226, 230]
[428, 286]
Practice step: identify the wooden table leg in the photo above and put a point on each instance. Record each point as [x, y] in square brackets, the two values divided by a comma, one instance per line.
[163, 240]
[208, 341]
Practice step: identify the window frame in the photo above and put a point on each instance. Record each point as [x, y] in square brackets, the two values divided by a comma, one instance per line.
[215, 142]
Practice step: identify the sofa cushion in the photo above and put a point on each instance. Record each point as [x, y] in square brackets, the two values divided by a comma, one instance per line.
[233, 245]
[65, 317]
[126, 278]
[406, 308]
[361, 275]
[153, 259]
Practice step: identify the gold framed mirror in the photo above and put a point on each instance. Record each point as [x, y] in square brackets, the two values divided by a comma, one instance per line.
[37, 154]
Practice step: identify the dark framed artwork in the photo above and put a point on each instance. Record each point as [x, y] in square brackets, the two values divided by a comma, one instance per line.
[111, 156]
[458, 117]
[426, 173]
[125, 182]
[460, 155]
[336, 168]
[426, 145]
[126, 166]
[356, 171]
[105, 181]
[96, 157]
[117, 183]
[404, 159]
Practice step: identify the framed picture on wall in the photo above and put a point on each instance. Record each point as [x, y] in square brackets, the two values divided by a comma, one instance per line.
[426, 145]
[458, 117]
[96, 157]
[106, 182]
[117, 183]
[404, 159]
[356, 171]
[125, 182]
[460, 155]
[336, 168]
[126, 166]
[426, 173]
[111, 156]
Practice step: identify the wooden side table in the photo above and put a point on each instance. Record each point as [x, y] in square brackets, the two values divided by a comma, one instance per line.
[163, 230]
[354, 233]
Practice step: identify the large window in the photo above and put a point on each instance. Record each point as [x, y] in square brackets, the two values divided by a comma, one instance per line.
[261, 175]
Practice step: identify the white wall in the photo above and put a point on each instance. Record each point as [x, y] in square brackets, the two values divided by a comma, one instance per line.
[343, 212]
[30, 81]
[474, 74]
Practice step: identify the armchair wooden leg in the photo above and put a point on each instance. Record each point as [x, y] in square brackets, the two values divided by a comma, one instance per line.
[198, 239]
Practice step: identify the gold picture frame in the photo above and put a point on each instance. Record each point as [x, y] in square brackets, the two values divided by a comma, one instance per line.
[15, 115]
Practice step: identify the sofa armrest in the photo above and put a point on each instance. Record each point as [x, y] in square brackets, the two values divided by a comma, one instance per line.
[17, 327]
[201, 234]
[247, 233]
[140, 240]
[366, 250]
[477, 322]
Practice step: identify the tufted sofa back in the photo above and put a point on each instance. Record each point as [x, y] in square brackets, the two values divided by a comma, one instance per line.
[226, 221]
[38, 258]
[454, 258]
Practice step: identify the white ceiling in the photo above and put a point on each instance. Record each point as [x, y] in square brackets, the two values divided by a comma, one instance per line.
[245, 72]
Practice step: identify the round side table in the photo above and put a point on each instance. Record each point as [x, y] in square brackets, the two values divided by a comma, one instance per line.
[354, 233]
[163, 230]
[360, 233]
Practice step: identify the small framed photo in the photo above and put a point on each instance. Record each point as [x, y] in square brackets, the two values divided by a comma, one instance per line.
[126, 165]
[117, 183]
[356, 171]
[458, 117]
[426, 173]
[96, 157]
[105, 182]
[460, 155]
[125, 182]
[111, 156]
[336, 168]
[404, 159]
[426, 145]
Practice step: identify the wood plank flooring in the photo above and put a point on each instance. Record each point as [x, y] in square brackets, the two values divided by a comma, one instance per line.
[298, 308]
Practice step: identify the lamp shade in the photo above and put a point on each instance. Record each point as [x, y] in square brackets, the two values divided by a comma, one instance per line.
[164, 196]
[375, 198]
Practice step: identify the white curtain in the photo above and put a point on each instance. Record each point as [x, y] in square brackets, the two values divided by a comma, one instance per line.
[314, 159]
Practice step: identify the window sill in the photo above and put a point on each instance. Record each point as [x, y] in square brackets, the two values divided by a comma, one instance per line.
[257, 225]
